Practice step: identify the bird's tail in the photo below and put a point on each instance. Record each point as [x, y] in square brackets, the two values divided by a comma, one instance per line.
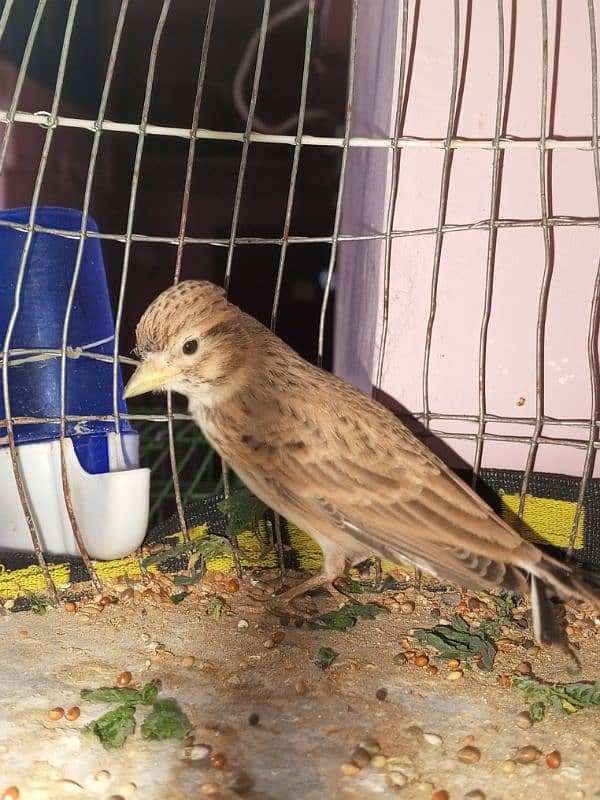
[552, 577]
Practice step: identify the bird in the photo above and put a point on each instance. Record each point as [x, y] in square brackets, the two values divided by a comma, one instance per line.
[333, 461]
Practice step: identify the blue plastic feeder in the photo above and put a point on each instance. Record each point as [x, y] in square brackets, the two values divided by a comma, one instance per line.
[101, 461]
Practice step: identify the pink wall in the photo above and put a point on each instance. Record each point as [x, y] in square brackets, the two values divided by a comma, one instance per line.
[519, 262]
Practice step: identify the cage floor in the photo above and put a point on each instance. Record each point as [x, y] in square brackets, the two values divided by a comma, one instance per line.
[309, 720]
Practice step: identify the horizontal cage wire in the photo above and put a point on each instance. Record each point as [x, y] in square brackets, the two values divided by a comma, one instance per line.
[183, 467]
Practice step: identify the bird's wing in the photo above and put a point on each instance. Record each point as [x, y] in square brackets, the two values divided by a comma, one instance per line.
[359, 471]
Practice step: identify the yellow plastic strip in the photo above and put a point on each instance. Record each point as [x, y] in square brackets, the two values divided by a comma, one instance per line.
[545, 520]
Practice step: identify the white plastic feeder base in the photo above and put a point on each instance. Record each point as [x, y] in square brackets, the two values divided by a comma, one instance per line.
[111, 508]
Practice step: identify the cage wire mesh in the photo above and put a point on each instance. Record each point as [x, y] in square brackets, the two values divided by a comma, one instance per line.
[183, 467]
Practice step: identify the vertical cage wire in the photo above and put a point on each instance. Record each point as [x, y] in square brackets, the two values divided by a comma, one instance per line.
[401, 97]
[288, 218]
[295, 162]
[548, 269]
[166, 4]
[341, 181]
[26, 506]
[180, 245]
[491, 248]
[260, 50]
[71, 296]
[592, 341]
[443, 199]
[22, 74]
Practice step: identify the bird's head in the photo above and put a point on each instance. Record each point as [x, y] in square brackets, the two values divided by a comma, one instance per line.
[192, 341]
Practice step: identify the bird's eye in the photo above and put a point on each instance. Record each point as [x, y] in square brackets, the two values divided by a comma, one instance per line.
[190, 347]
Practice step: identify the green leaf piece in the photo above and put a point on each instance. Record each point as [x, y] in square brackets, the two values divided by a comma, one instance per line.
[243, 511]
[114, 727]
[149, 694]
[37, 603]
[366, 587]
[178, 598]
[565, 698]
[457, 640]
[113, 694]
[187, 580]
[347, 616]
[209, 546]
[215, 610]
[325, 657]
[165, 721]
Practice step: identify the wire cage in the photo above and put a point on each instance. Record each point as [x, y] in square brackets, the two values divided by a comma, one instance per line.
[356, 138]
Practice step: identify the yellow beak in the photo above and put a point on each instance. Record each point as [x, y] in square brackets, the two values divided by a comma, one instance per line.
[150, 376]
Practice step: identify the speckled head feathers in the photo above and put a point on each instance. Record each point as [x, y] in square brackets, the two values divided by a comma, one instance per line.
[190, 303]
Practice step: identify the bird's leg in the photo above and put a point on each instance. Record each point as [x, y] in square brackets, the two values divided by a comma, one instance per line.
[418, 576]
[321, 579]
[378, 574]
[333, 568]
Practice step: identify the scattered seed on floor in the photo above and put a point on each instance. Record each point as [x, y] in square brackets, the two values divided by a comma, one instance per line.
[381, 694]
[233, 585]
[524, 720]
[409, 655]
[469, 755]
[56, 713]
[102, 776]
[431, 670]
[524, 668]
[440, 794]
[242, 623]
[278, 637]
[188, 661]
[407, 607]
[269, 644]
[11, 793]
[454, 675]
[421, 661]
[348, 768]
[253, 718]
[123, 679]
[509, 766]
[553, 759]
[475, 794]
[372, 746]
[527, 754]
[72, 713]
[379, 761]
[127, 790]
[197, 752]
[360, 757]
[396, 778]
[399, 659]
[70, 606]
[433, 739]
[505, 681]
[219, 760]
[210, 789]
[453, 663]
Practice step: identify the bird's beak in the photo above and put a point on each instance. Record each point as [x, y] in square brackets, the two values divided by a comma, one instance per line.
[150, 376]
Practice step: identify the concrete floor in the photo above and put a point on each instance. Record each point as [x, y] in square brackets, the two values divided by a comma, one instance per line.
[309, 720]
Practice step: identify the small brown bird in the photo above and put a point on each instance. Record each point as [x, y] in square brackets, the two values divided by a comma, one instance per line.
[333, 461]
